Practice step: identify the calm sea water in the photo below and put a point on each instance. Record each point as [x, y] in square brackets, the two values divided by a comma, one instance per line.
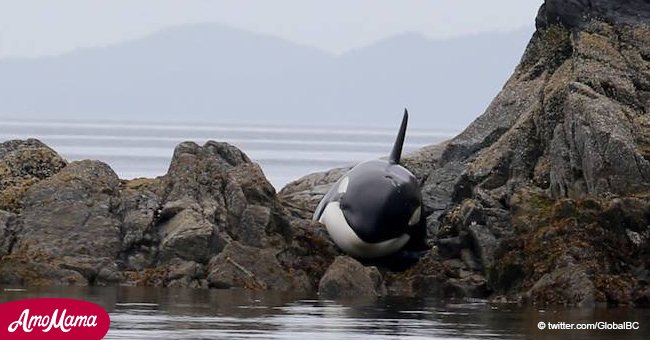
[156, 313]
[284, 152]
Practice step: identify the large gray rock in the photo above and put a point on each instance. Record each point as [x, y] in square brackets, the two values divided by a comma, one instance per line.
[303, 195]
[587, 116]
[77, 202]
[570, 285]
[188, 235]
[519, 97]
[139, 207]
[22, 164]
[7, 232]
[212, 197]
[438, 193]
[434, 276]
[249, 267]
[346, 277]
[26, 271]
[309, 253]
[423, 160]
[69, 218]
[194, 186]
[212, 215]
[484, 242]
[575, 14]
[185, 274]
[251, 229]
[213, 193]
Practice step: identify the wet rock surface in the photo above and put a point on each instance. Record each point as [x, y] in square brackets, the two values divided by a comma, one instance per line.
[577, 251]
[249, 267]
[543, 199]
[347, 277]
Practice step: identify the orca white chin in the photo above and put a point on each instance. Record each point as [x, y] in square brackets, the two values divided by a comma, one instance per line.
[344, 237]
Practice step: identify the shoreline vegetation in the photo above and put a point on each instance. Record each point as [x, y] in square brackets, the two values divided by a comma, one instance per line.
[543, 199]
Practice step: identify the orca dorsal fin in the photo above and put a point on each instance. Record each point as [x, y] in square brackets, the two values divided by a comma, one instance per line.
[396, 154]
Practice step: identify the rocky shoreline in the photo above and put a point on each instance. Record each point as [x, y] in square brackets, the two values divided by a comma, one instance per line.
[544, 199]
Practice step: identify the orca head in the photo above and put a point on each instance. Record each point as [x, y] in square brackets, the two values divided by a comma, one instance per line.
[382, 200]
[369, 211]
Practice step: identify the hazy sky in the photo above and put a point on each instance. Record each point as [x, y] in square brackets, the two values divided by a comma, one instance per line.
[36, 28]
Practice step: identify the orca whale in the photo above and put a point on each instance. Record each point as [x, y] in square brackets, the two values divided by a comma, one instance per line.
[375, 209]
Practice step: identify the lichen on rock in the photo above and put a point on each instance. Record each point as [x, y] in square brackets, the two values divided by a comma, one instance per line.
[22, 164]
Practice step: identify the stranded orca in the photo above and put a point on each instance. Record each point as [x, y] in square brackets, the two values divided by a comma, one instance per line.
[375, 209]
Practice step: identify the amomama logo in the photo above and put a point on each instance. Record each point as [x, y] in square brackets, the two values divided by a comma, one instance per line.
[52, 318]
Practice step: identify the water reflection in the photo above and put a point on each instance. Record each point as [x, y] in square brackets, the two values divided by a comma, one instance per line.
[152, 313]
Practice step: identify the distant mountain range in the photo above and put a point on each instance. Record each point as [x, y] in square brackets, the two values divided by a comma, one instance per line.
[212, 73]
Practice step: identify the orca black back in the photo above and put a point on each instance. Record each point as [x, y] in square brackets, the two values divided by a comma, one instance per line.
[372, 209]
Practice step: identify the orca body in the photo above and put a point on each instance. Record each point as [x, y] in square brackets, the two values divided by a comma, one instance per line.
[375, 209]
